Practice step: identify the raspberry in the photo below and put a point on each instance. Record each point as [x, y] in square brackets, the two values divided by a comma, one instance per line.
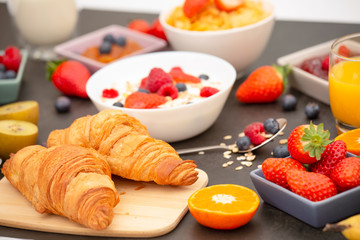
[255, 132]
[325, 63]
[168, 90]
[110, 93]
[208, 91]
[344, 51]
[12, 58]
[157, 77]
[141, 100]
[180, 76]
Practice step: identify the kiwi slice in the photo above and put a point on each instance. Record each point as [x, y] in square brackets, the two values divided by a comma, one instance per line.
[24, 110]
[16, 134]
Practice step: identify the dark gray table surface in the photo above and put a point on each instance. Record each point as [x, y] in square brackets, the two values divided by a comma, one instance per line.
[268, 222]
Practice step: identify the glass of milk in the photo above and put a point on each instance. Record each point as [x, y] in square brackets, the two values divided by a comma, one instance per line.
[42, 24]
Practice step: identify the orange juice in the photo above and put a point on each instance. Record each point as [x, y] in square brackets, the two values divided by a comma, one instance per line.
[344, 91]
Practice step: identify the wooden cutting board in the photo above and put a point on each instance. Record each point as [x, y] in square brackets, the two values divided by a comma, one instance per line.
[144, 210]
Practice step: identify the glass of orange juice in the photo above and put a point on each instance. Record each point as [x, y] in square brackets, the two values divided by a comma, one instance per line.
[344, 82]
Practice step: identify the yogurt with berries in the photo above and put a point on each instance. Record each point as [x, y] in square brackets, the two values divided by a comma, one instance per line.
[161, 89]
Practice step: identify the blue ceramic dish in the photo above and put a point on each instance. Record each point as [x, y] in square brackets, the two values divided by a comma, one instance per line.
[316, 214]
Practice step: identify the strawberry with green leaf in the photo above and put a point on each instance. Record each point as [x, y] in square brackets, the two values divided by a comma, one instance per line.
[263, 85]
[306, 143]
[69, 77]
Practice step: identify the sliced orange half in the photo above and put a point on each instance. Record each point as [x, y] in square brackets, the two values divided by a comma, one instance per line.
[352, 140]
[223, 206]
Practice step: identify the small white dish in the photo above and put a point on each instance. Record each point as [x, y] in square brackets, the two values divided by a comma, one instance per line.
[303, 81]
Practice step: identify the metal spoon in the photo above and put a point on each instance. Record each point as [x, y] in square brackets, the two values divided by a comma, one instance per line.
[282, 124]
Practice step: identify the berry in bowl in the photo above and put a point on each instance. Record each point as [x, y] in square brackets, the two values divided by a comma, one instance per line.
[237, 33]
[324, 191]
[176, 95]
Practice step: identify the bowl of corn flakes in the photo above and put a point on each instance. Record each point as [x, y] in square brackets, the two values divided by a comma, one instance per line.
[238, 36]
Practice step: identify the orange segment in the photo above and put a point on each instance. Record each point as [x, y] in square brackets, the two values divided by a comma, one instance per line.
[352, 140]
[223, 206]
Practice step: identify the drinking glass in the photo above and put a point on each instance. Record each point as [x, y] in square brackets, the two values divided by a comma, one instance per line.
[42, 24]
[344, 82]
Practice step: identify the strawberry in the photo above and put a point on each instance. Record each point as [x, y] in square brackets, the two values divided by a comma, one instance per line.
[265, 84]
[157, 30]
[180, 76]
[306, 143]
[255, 131]
[143, 83]
[141, 100]
[139, 25]
[12, 58]
[346, 174]
[156, 78]
[344, 51]
[310, 185]
[229, 5]
[69, 77]
[193, 7]
[275, 169]
[333, 153]
[208, 91]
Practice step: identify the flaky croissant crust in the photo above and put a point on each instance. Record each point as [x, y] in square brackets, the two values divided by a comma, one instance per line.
[129, 149]
[66, 180]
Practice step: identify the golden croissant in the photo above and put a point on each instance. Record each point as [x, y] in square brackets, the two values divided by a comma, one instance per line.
[66, 180]
[129, 149]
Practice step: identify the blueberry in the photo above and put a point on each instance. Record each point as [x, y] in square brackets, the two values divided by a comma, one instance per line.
[109, 38]
[62, 104]
[143, 90]
[2, 67]
[105, 47]
[243, 143]
[181, 87]
[271, 125]
[289, 102]
[118, 104]
[281, 151]
[121, 41]
[312, 110]
[204, 77]
[10, 74]
[2, 75]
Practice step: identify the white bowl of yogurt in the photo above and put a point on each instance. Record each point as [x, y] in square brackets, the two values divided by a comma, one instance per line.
[178, 119]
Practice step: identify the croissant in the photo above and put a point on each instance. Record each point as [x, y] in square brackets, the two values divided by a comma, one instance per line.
[129, 149]
[66, 180]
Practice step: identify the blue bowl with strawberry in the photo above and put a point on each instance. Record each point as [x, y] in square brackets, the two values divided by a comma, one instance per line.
[318, 184]
[12, 64]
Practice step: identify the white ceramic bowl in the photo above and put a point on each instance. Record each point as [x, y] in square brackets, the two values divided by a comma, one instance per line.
[170, 124]
[240, 46]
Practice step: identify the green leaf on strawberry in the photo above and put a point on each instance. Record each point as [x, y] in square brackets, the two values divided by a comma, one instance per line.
[284, 71]
[51, 67]
[317, 140]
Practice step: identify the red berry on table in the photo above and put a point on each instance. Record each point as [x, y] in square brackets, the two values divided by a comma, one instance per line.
[12, 58]
[255, 131]
[346, 174]
[193, 7]
[139, 25]
[228, 5]
[156, 78]
[334, 152]
[69, 77]
[275, 169]
[168, 89]
[310, 185]
[263, 85]
[157, 30]
[141, 100]
[306, 143]
[208, 91]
